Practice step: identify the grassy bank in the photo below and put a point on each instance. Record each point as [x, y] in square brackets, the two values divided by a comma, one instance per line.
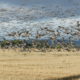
[41, 45]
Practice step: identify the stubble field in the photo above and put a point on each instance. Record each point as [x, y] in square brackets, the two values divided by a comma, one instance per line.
[54, 65]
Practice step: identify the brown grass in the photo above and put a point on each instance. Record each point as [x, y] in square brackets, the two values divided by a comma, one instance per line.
[16, 65]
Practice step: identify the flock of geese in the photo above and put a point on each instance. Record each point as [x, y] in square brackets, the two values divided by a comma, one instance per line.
[53, 33]
[17, 34]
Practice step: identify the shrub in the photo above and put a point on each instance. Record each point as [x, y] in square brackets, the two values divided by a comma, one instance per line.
[58, 46]
[16, 42]
[4, 43]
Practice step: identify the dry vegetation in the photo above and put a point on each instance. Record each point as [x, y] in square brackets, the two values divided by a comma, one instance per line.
[35, 65]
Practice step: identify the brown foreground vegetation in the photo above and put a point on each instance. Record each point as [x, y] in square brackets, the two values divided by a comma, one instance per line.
[35, 65]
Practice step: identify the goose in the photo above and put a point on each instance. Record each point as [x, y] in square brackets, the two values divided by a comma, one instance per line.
[38, 35]
[78, 24]
[25, 34]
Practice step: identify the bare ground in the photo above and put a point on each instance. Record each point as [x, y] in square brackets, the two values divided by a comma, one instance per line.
[15, 65]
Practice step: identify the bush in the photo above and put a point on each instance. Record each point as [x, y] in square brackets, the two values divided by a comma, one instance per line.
[4, 43]
[16, 43]
[58, 46]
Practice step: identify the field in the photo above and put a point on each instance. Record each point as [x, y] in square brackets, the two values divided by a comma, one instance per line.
[54, 65]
